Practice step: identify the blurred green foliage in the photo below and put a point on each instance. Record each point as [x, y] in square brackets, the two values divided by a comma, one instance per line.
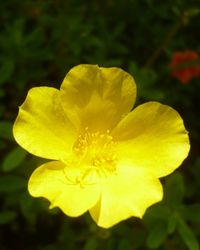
[39, 42]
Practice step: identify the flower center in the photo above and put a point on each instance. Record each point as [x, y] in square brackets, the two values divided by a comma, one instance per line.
[94, 157]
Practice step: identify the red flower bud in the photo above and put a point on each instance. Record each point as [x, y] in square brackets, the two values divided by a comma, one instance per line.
[183, 65]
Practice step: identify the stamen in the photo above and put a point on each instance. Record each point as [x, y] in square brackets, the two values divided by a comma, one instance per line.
[94, 158]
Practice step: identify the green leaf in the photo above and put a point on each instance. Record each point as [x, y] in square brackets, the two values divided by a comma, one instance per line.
[6, 130]
[174, 190]
[193, 12]
[2, 93]
[49, 247]
[144, 77]
[7, 216]
[2, 145]
[172, 223]
[6, 71]
[187, 235]
[157, 235]
[13, 159]
[124, 244]
[192, 212]
[11, 183]
[157, 212]
[29, 206]
[146, 80]
[91, 244]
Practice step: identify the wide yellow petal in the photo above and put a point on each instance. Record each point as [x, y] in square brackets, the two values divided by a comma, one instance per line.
[152, 136]
[42, 127]
[50, 181]
[96, 97]
[128, 193]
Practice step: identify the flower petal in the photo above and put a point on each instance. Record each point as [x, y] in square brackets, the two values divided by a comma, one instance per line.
[128, 193]
[152, 136]
[96, 97]
[50, 181]
[41, 127]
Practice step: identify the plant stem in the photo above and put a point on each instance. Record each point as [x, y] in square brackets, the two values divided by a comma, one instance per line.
[167, 39]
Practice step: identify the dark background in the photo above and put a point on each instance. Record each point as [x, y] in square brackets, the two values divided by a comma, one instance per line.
[39, 42]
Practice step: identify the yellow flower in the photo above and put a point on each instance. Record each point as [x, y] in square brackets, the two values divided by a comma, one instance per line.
[105, 158]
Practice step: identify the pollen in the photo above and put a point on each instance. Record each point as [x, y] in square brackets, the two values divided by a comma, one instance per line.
[96, 156]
